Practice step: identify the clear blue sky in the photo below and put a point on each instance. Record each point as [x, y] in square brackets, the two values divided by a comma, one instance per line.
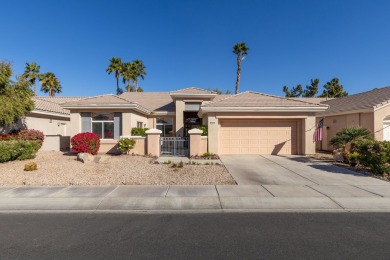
[189, 43]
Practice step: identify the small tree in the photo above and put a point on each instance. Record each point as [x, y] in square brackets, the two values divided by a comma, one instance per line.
[312, 89]
[15, 97]
[293, 92]
[333, 89]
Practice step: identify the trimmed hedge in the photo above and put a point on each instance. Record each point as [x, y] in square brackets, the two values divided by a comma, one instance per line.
[18, 150]
[375, 155]
[86, 143]
[135, 131]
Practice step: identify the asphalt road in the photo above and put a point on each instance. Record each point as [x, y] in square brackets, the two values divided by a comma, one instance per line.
[195, 236]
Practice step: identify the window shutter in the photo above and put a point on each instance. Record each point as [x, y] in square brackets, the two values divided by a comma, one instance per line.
[86, 122]
[117, 125]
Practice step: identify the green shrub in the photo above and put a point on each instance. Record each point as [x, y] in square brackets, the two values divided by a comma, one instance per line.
[375, 155]
[135, 131]
[126, 144]
[18, 150]
[85, 143]
[205, 130]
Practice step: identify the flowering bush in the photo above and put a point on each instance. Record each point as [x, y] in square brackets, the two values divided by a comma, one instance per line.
[85, 143]
[375, 155]
[126, 144]
[6, 137]
[31, 135]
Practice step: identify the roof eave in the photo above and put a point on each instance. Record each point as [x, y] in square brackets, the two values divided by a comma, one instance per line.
[326, 114]
[121, 106]
[186, 95]
[205, 110]
[43, 112]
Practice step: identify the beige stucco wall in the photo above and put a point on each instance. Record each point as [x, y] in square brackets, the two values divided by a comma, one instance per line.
[140, 146]
[379, 116]
[109, 146]
[334, 124]
[75, 127]
[130, 119]
[203, 144]
[48, 125]
[305, 126]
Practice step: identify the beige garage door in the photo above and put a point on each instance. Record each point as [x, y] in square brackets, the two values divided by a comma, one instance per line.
[258, 137]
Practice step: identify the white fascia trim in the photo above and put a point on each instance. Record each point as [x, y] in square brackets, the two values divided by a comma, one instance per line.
[369, 110]
[163, 113]
[262, 109]
[41, 112]
[182, 95]
[137, 107]
[382, 105]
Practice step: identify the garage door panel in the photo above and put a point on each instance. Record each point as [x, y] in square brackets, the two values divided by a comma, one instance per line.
[258, 137]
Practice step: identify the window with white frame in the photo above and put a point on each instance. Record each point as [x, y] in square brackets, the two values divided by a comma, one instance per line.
[140, 125]
[103, 125]
[165, 124]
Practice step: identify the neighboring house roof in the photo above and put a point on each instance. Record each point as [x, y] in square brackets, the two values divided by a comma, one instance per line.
[192, 90]
[105, 101]
[154, 101]
[365, 101]
[52, 105]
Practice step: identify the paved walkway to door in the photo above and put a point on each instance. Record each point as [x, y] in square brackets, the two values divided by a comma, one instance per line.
[290, 170]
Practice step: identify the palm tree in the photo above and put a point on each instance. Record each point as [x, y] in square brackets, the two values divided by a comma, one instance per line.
[241, 51]
[116, 67]
[347, 138]
[139, 71]
[31, 74]
[50, 84]
[128, 75]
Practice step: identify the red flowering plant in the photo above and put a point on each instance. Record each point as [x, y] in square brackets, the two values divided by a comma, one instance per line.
[31, 135]
[85, 143]
[6, 137]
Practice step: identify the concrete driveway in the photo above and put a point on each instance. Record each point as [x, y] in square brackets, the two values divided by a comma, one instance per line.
[290, 170]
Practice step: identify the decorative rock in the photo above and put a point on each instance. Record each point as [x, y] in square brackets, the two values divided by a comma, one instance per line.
[85, 157]
[100, 159]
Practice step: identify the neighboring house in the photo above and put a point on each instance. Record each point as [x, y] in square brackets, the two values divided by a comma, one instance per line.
[369, 110]
[54, 121]
[246, 123]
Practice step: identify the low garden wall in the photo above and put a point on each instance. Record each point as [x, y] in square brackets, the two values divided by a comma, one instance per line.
[56, 143]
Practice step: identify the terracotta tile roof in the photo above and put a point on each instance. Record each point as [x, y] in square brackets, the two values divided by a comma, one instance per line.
[154, 101]
[52, 104]
[60, 100]
[254, 99]
[362, 101]
[192, 90]
[108, 99]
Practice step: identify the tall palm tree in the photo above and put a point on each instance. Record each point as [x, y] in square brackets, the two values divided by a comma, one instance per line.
[50, 84]
[31, 74]
[116, 67]
[241, 51]
[139, 71]
[128, 75]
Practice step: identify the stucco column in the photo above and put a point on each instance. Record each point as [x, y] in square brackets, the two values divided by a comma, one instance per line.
[213, 133]
[309, 128]
[195, 141]
[153, 142]
[179, 122]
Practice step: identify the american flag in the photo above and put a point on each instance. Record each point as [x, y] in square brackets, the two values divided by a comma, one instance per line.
[318, 132]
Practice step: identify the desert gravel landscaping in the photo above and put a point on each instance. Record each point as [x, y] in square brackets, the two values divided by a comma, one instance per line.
[55, 168]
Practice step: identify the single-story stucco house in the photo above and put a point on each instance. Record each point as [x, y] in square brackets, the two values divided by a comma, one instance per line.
[246, 123]
[370, 109]
[49, 117]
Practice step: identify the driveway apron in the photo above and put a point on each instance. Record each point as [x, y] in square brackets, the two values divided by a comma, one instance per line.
[290, 170]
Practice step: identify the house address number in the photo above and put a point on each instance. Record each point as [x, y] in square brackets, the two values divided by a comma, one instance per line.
[212, 123]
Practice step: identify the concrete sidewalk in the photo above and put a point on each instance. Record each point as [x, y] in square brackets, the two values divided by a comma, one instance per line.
[219, 198]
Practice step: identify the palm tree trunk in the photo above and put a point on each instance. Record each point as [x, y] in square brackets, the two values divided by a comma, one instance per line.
[238, 72]
[136, 85]
[117, 85]
[35, 88]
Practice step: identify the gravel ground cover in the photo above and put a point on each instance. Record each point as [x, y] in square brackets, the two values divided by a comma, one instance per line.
[55, 168]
